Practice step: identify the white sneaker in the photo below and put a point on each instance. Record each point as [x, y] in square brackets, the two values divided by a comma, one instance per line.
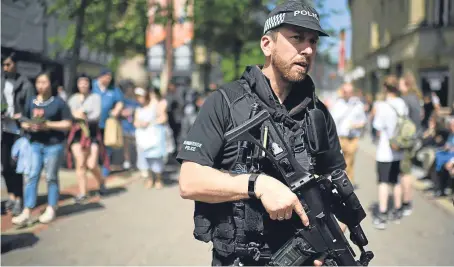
[48, 215]
[22, 218]
[126, 165]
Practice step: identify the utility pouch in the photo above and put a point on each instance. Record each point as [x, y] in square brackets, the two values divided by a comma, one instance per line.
[316, 131]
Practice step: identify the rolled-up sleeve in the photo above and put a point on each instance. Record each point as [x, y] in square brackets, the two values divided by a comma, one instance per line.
[206, 137]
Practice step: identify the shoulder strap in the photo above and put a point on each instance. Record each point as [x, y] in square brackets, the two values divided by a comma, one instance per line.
[224, 94]
[231, 92]
[394, 109]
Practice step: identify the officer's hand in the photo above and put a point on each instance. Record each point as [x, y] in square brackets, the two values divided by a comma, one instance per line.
[278, 200]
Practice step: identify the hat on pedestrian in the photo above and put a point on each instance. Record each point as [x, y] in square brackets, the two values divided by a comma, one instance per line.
[104, 72]
[140, 91]
[293, 12]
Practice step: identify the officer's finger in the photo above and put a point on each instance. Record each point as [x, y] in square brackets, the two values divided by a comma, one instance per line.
[281, 215]
[298, 208]
[273, 215]
[320, 260]
[288, 213]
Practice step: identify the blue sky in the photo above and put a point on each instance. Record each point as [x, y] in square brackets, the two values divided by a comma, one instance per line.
[338, 22]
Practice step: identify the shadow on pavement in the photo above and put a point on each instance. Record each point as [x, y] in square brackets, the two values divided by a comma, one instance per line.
[18, 241]
[113, 191]
[169, 179]
[373, 207]
[73, 209]
[42, 199]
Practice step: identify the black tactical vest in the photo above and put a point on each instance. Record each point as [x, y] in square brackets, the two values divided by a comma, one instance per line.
[224, 224]
[230, 226]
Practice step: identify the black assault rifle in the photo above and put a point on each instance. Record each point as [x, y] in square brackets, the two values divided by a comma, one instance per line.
[321, 197]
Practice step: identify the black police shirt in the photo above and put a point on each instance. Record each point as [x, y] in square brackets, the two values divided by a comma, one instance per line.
[206, 146]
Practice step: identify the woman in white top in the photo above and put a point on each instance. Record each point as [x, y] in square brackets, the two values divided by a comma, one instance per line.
[388, 159]
[84, 138]
[150, 120]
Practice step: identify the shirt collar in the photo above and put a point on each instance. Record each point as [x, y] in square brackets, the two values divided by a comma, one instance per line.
[260, 84]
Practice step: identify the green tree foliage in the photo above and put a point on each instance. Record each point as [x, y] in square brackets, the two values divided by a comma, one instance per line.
[113, 26]
[227, 27]
[220, 31]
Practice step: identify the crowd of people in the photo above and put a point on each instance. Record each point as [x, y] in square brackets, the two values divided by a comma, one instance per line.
[431, 147]
[45, 128]
[42, 125]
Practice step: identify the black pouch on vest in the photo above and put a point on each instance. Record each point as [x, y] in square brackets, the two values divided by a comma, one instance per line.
[203, 226]
[254, 217]
[316, 131]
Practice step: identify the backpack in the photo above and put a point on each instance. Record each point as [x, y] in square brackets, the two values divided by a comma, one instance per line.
[404, 136]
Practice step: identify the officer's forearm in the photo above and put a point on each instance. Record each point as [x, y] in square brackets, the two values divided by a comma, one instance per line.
[209, 185]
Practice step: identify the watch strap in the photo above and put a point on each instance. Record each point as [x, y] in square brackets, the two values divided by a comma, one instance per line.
[251, 185]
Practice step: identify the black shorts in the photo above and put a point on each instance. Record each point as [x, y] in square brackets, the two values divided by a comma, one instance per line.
[388, 172]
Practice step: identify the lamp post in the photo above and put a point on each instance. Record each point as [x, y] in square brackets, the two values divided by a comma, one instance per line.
[383, 63]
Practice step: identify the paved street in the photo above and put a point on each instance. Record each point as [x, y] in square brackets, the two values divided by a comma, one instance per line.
[149, 227]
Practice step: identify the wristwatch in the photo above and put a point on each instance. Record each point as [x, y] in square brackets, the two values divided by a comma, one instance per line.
[251, 185]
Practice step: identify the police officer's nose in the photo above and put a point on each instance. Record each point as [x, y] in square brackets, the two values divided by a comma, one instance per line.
[307, 51]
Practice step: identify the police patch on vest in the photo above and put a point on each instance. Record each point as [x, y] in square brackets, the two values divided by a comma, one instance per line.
[191, 145]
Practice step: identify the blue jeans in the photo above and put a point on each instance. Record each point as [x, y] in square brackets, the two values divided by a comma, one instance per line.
[106, 171]
[51, 157]
[109, 151]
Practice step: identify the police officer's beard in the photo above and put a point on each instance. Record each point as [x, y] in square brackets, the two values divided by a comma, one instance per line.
[285, 69]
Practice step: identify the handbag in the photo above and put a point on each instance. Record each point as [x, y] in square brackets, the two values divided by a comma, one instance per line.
[113, 133]
[147, 138]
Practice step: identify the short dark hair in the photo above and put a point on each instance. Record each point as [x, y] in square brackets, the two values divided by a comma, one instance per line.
[157, 92]
[84, 76]
[391, 84]
[272, 33]
[13, 57]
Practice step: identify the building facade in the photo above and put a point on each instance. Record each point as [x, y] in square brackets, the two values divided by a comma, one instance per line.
[392, 37]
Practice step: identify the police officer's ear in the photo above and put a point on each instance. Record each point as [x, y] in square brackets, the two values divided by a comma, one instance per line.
[267, 42]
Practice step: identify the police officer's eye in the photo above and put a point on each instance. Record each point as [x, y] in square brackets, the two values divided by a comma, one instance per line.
[313, 41]
[296, 37]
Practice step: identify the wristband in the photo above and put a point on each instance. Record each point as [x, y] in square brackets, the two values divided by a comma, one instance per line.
[251, 185]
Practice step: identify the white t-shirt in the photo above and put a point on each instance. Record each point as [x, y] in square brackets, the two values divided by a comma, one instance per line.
[435, 99]
[8, 124]
[9, 96]
[346, 113]
[385, 121]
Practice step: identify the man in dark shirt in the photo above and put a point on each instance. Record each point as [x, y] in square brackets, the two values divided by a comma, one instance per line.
[16, 92]
[289, 45]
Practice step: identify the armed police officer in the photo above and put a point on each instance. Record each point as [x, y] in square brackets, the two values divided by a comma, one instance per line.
[209, 173]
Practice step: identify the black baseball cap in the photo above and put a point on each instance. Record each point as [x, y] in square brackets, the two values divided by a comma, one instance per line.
[293, 12]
